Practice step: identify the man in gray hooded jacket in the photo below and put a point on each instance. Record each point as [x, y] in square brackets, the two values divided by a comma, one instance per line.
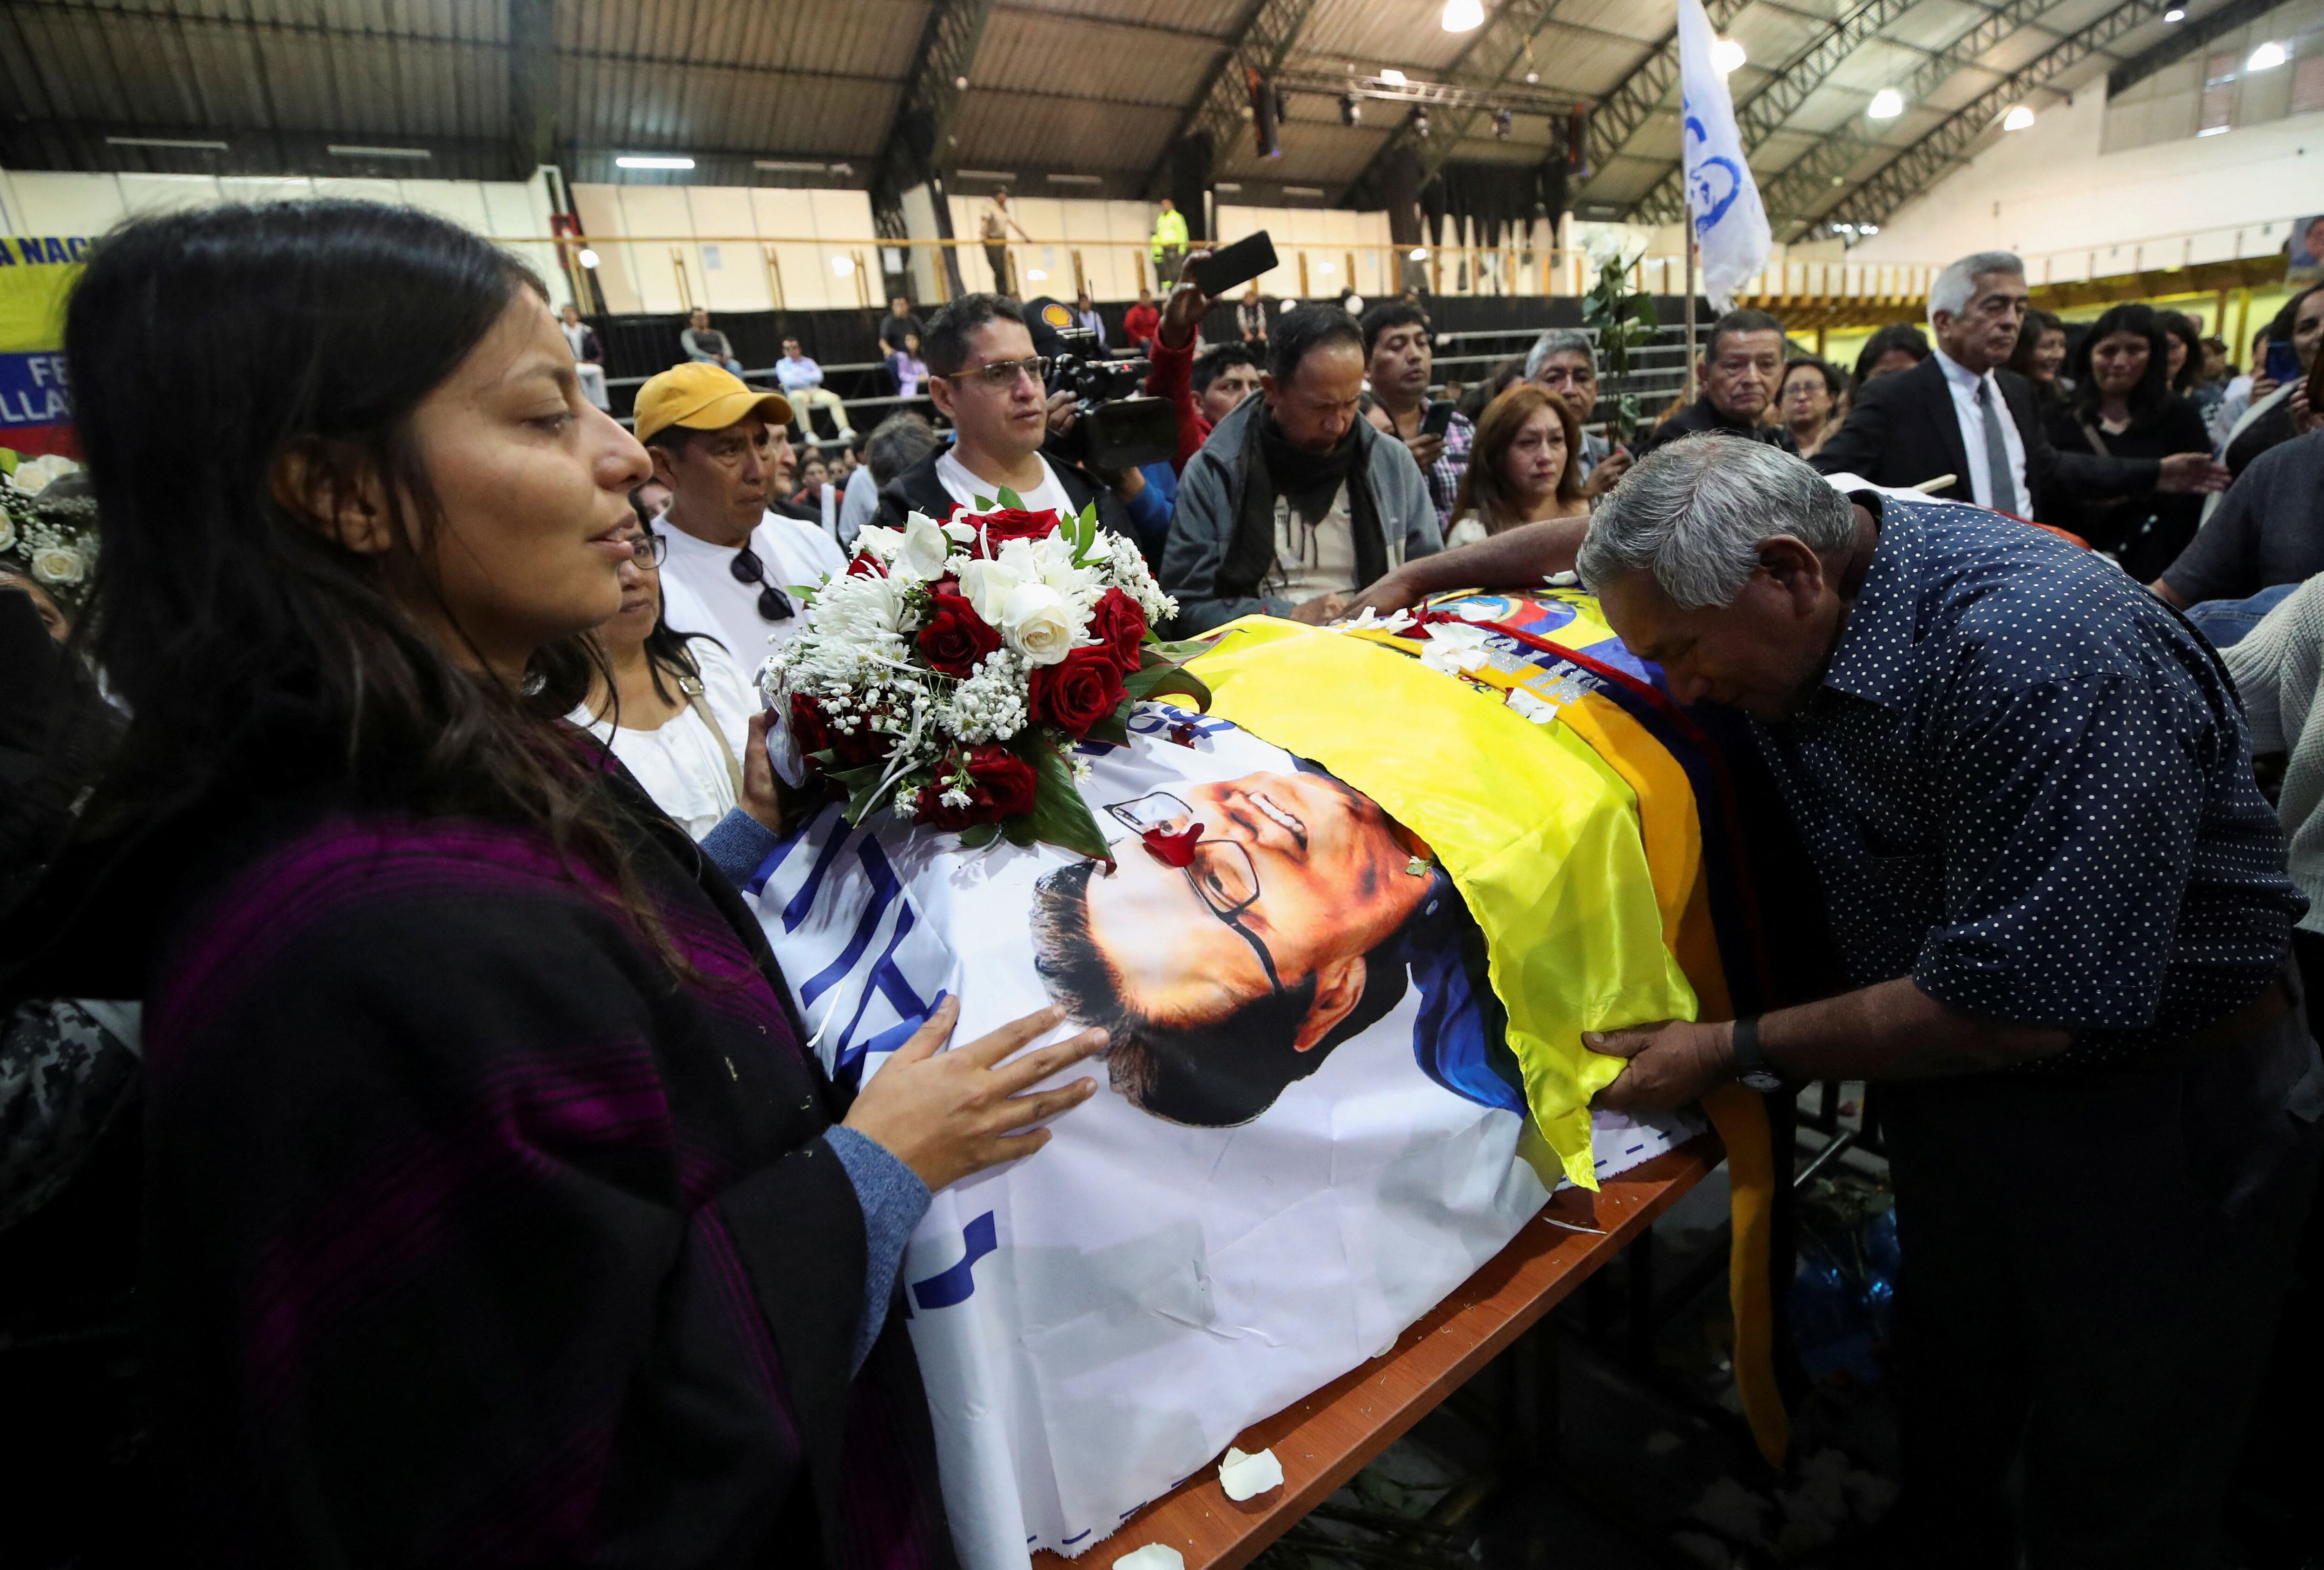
[1295, 504]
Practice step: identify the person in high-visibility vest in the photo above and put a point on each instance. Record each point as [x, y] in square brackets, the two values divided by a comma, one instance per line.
[1169, 242]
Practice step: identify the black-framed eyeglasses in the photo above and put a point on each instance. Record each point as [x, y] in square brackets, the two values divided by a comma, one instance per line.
[1221, 875]
[774, 606]
[1003, 374]
[648, 551]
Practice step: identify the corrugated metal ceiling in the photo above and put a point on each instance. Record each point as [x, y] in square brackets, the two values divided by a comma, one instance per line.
[1094, 86]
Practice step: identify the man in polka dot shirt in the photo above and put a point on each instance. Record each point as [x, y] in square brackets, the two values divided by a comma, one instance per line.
[2027, 787]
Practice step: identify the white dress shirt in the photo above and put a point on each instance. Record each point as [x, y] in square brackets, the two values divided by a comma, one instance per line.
[1963, 382]
[680, 763]
[857, 505]
[792, 551]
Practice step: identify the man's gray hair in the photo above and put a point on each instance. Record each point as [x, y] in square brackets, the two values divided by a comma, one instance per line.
[1557, 341]
[1956, 286]
[897, 443]
[1695, 513]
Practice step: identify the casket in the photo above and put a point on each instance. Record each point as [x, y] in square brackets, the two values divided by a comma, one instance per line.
[1357, 917]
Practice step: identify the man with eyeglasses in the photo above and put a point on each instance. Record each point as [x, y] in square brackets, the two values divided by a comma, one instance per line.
[721, 449]
[1302, 917]
[1564, 362]
[984, 377]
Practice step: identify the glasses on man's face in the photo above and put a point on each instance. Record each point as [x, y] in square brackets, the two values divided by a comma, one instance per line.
[647, 552]
[1223, 874]
[774, 606]
[1001, 374]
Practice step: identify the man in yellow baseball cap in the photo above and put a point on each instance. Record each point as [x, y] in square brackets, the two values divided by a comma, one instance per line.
[724, 449]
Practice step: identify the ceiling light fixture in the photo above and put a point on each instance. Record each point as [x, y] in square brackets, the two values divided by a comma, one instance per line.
[2017, 119]
[588, 258]
[165, 141]
[1886, 104]
[1420, 123]
[1417, 254]
[335, 150]
[1727, 55]
[1463, 15]
[2266, 58]
[1391, 75]
[639, 161]
[2174, 14]
[842, 265]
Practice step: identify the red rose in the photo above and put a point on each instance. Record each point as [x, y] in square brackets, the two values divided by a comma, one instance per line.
[1001, 785]
[1078, 691]
[1118, 624]
[808, 728]
[956, 637]
[866, 565]
[997, 529]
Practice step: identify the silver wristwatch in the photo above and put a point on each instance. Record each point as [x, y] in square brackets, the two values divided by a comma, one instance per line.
[1751, 1066]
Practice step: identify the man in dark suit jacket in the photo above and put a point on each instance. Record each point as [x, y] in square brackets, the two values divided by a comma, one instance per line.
[1958, 413]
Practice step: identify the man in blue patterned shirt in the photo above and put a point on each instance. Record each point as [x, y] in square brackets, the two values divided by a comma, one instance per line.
[2026, 785]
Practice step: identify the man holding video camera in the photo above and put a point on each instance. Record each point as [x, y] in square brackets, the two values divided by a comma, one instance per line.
[984, 375]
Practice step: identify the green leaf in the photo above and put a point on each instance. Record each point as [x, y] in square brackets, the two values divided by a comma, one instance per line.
[867, 800]
[9, 458]
[1644, 306]
[985, 503]
[1593, 309]
[1060, 816]
[977, 835]
[1112, 728]
[1156, 680]
[1009, 498]
[1020, 828]
[1184, 649]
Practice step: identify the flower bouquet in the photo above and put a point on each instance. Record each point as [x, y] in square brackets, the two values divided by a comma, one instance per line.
[48, 530]
[948, 673]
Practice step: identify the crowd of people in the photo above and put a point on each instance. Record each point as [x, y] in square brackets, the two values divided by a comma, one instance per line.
[492, 1200]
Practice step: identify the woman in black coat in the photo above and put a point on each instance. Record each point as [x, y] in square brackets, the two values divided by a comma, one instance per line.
[495, 1212]
[2122, 406]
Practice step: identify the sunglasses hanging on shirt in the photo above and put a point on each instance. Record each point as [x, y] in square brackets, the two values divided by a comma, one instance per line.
[774, 604]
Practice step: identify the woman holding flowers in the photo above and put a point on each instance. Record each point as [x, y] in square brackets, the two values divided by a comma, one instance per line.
[495, 1212]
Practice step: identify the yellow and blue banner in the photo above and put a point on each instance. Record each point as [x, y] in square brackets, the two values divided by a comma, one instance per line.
[37, 274]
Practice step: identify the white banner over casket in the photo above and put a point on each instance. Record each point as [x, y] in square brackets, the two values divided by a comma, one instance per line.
[1095, 1324]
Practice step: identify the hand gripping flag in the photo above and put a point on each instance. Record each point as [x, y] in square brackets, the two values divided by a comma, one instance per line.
[1730, 223]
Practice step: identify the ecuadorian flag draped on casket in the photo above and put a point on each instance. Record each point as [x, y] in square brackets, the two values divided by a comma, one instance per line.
[36, 274]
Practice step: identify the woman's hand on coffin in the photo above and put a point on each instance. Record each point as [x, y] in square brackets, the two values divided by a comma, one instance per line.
[1672, 1063]
[947, 1114]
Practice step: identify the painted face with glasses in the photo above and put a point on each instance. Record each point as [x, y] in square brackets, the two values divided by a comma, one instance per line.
[1296, 878]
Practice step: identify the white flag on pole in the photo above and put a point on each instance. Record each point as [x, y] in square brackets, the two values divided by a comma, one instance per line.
[1722, 199]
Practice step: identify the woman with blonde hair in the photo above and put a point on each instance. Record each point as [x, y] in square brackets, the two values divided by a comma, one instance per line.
[1525, 466]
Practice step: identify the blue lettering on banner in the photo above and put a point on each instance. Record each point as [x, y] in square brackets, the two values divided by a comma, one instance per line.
[885, 887]
[946, 1289]
[33, 390]
[887, 981]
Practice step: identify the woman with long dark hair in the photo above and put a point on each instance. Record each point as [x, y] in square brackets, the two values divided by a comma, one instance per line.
[495, 1210]
[2122, 406]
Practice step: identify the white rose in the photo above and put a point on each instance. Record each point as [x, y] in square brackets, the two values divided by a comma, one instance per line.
[1035, 624]
[62, 564]
[881, 542]
[925, 546]
[988, 584]
[30, 479]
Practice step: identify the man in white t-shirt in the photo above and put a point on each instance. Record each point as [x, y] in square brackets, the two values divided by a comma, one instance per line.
[984, 375]
[714, 444]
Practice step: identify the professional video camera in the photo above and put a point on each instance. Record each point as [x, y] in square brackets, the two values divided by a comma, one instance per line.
[1113, 427]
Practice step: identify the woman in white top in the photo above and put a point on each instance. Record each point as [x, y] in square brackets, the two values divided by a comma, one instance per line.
[678, 714]
[1525, 466]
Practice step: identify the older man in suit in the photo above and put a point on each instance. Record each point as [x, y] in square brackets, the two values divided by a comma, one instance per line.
[1960, 413]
